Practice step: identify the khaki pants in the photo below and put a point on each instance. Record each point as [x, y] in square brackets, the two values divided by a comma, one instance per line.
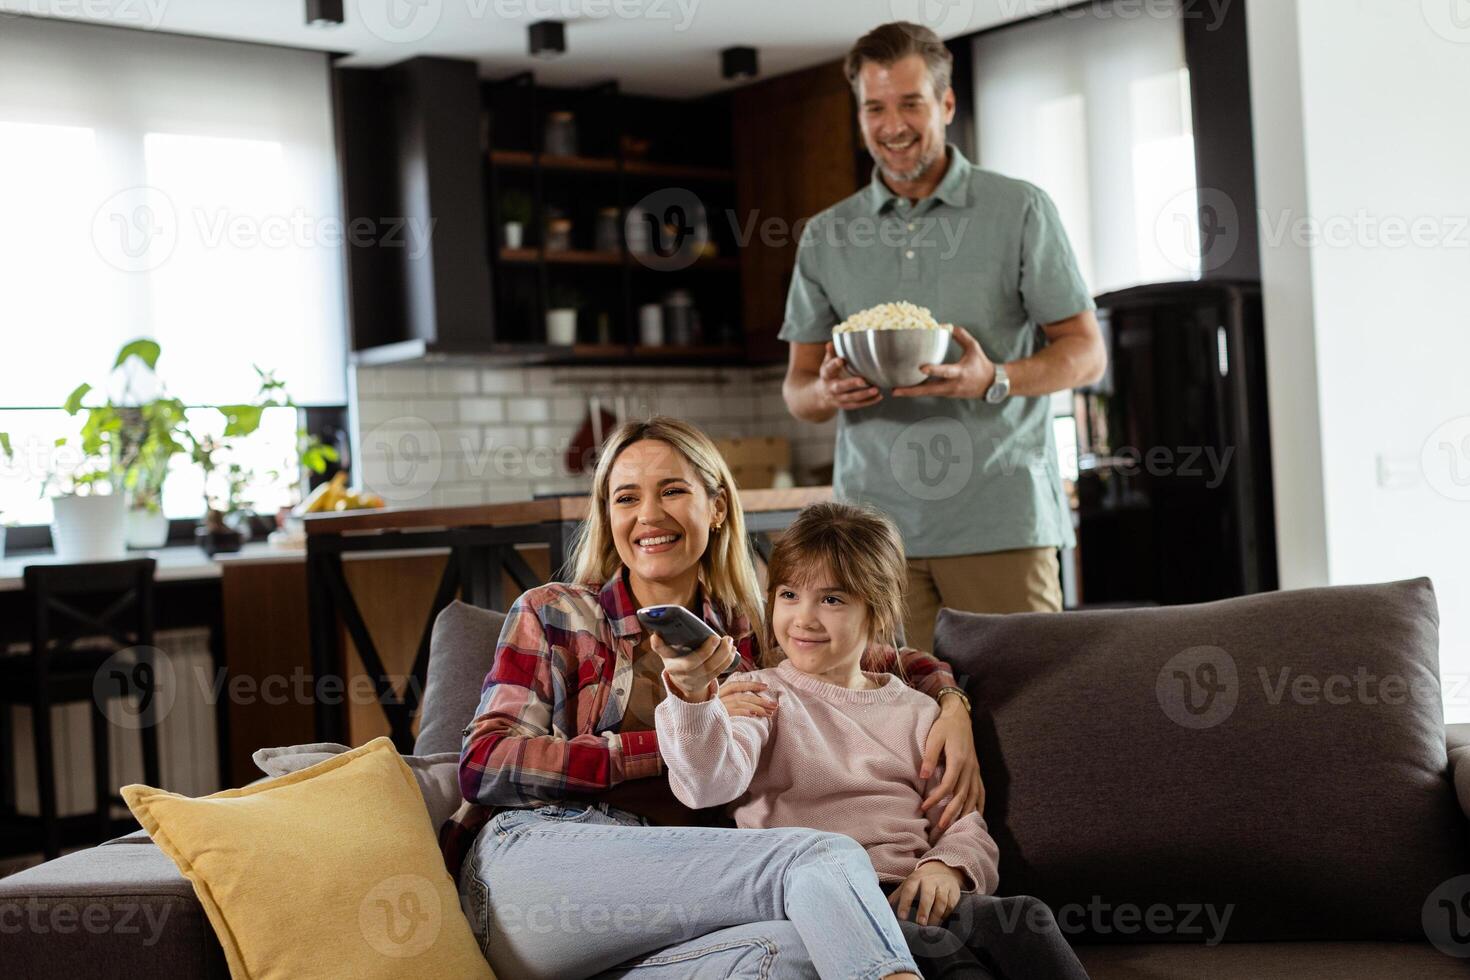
[1028, 580]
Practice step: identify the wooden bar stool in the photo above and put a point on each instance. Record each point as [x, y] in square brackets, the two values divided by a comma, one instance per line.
[111, 602]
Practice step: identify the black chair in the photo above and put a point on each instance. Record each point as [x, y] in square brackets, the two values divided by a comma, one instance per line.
[108, 601]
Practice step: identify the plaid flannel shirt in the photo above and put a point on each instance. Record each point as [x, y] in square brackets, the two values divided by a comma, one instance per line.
[547, 726]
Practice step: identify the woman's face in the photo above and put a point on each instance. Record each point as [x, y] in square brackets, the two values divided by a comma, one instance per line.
[660, 512]
[823, 630]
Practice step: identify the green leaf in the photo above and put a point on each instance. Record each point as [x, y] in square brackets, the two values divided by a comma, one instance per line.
[144, 349]
[241, 420]
[74, 400]
[5, 445]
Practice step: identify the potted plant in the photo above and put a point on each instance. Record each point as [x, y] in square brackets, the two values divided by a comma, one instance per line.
[515, 211]
[561, 315]
[89, 514]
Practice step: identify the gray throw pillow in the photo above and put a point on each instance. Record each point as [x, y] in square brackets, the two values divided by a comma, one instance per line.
[1278, 759]
[437, 775]
[461, 649]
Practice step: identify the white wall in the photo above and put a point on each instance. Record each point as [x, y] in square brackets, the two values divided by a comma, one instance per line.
[1362, 130]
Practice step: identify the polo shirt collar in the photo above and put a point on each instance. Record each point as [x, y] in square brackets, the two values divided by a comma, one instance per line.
[953, 189]
[621, 609]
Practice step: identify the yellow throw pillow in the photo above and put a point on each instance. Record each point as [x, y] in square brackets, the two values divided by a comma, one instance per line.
[331, 871]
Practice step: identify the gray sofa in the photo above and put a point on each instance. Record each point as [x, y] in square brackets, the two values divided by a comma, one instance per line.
[1335, 838]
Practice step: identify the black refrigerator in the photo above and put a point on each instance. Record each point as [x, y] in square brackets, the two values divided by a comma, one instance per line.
[1174, 485]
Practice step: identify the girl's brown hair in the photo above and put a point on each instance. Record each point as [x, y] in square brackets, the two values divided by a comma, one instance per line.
[862, 552]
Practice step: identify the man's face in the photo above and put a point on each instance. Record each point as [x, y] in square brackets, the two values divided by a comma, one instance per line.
[901, 119]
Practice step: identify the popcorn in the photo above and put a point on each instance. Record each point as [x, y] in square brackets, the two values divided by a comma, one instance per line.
[891, 316]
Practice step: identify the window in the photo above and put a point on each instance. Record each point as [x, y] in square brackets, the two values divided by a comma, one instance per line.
[1092, 106]
[171, 187]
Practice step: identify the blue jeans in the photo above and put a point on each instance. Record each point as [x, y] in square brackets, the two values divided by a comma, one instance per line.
[585, 889]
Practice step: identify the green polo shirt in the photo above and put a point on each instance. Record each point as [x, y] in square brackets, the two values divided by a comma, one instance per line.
[985, 252]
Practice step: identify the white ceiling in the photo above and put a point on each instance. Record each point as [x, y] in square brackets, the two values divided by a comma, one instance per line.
[653, 47]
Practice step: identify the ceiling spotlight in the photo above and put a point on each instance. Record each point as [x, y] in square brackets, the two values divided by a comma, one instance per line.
[324, 13]
[548, 38]
[738, 62]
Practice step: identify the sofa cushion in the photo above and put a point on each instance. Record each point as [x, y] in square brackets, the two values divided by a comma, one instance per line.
[1270, 961]
[437, 775]
[330, 871]
[121, 909]
[1277, 757]
[460, 651]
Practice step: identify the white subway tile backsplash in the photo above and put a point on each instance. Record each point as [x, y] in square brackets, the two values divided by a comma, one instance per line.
[482, 410]
[568, 409]
[401, 380]
[507, 381]
[434, 409]
[529, 409]
[453, 381]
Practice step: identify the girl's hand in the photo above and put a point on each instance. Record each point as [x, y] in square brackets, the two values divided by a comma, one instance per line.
[693, 676]
[952, 738]
[936, 886]
[742, 701]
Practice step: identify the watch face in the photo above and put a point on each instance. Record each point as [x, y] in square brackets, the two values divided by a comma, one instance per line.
[998, 391]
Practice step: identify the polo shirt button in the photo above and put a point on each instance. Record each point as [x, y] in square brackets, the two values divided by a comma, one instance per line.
[619, 692]
[909, 254]
[911, 226]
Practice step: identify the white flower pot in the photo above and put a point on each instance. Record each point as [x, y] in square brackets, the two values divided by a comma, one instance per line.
[147, 529]
[89, 528]
[561, 327]
[513, 233]
[2, 540]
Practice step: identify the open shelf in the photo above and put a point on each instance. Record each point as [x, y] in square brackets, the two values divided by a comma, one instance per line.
[522, 159]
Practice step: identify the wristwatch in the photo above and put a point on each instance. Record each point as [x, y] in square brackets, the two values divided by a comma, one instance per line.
[1000, 388]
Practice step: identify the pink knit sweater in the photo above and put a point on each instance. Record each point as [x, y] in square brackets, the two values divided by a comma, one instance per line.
[832, 759]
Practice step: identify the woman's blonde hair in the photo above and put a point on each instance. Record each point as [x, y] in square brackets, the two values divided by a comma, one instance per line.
[725, 568]
[862, 552]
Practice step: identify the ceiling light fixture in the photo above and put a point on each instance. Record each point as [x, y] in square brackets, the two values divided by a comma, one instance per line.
[324, 13]
[548, 38]
[739, 62]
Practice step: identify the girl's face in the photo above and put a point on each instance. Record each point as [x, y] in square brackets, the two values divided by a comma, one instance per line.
[823, 630]
[660, 512]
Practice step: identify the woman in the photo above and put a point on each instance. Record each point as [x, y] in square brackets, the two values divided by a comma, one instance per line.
[576, 857]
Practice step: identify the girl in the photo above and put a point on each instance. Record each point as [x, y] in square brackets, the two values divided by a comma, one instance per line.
[834, 602]
[576, 857]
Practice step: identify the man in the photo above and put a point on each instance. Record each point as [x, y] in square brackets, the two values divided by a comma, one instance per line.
[965, 463]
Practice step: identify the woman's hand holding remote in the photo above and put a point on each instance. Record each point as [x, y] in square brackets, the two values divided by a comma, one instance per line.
[692, 678]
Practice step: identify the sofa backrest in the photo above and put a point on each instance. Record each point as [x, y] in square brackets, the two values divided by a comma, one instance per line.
[1278, 759]
[461, 649]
